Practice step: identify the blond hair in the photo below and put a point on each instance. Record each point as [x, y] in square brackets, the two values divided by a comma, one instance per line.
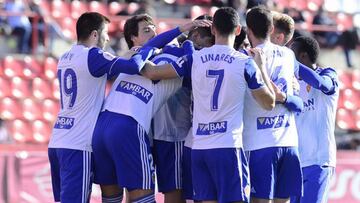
[283, 23]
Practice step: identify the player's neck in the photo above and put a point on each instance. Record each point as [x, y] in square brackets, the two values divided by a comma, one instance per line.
[85, 43]
[257, 41]
[229, 41]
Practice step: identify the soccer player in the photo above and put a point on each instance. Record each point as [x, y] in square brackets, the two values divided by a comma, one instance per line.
[82, 74]
[220, 76]
[270, 137]
[120, 142]
[284, 27]
[172, 123]
[316, 124]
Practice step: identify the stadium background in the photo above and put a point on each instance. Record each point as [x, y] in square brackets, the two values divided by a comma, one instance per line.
[29, 91]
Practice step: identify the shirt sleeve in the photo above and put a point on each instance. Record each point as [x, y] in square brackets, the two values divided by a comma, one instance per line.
[183, 66]
[252, 75]
[173, 50]
[163, 39]
[101, 63]
[326, 80]
[294, 103]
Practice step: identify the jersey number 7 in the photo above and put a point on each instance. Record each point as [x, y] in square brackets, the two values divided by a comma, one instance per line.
[219, 76]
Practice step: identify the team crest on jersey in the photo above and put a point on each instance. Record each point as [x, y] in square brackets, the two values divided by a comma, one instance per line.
[136, 90]
[64, 123]
[272, 122]
[211, 128]
[308, 88]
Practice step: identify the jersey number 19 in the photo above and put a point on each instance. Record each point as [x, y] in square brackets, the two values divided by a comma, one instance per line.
[68, 86]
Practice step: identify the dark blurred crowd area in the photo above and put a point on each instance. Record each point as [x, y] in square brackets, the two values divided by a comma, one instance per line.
[19, 17]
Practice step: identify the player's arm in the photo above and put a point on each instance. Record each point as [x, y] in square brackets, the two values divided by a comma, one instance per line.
[259, 82]
[101, 63]
[164, 38]
[292, 102]
[326, 80]
[180, 68]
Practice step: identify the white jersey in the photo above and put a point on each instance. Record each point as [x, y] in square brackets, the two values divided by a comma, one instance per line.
[275, 128]
[316, 125]
[82, 95]
[173, 120]
[82, 74]
[220, 76]
[139, 97]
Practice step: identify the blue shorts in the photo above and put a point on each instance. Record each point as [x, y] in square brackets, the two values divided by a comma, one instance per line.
[122, 153]
[168, 161]
[187, 190]
[71, 174]
[220, 174]
[316, 184]
[275, 172]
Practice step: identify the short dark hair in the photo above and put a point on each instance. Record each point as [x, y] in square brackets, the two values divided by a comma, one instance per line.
[203, 31]
[131, 27]
[226, 19]
[284, 24]
[88, 22]
[308, 45]
[260, 21]
[239, 39]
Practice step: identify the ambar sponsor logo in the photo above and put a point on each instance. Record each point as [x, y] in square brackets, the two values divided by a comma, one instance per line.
[272, 122]
[64, 123]
[211, 128]
[136, 90]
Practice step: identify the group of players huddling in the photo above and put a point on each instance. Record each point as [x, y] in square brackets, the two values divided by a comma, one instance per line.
[216, 122]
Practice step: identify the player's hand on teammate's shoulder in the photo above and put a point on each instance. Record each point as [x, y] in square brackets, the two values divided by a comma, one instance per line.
[194, 24]
[258, 56]
[136, 49]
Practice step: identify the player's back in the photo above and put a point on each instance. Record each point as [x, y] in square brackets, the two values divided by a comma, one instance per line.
[264, 128]
[81, 97]
[173, 120]
[218, 84]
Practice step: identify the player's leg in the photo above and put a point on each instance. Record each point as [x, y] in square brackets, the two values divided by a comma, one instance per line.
[168, 162]
[262, 166]
[229, 169]
[258, 200]
[111, 193]
[105, 171]
[316, 183]
[204, 189]
[130, 151]
[278, 200]
[75, 175]
[289, 176]
[187, 191]
[55, 173]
